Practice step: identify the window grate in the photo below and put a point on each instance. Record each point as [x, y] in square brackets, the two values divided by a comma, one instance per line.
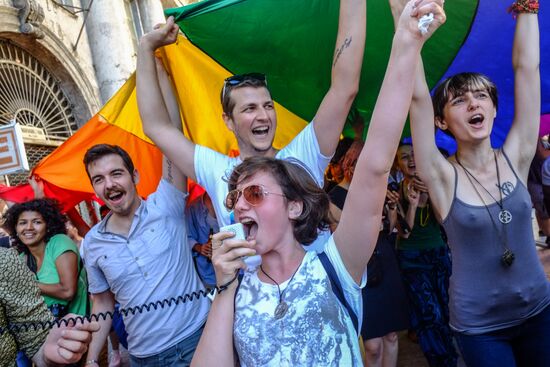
[35, 153]
[32, 96]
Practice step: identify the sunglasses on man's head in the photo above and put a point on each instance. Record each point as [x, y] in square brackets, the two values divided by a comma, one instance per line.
[253, 194]
[237, 79]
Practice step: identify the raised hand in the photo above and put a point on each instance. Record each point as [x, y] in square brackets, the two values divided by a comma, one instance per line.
[397, 7]
[416, 9]
[37, 187]
[161, 35]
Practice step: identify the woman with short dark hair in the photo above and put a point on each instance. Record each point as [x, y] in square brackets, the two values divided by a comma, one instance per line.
[499, 295]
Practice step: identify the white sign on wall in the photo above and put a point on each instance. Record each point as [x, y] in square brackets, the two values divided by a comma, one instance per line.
[13, 158]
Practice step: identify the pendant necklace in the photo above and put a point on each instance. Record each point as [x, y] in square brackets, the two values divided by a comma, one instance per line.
[504, 215]
[424, 222]
[282, 306]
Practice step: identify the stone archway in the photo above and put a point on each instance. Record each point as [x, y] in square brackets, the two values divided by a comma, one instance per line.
[45, 85]
[31, 95]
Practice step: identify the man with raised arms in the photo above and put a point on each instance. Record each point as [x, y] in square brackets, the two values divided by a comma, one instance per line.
[248, 111]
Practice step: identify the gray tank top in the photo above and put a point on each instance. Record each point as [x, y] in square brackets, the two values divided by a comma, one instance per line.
[484, 295]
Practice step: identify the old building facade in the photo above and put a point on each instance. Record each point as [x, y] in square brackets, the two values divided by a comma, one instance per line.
[61, 60]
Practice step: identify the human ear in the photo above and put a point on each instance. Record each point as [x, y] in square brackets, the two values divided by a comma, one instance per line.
[228, 121]
[441, 124]
[295, 209]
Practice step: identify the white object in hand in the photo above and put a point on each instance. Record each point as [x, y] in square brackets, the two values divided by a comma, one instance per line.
[252, 262]
[424, 23]
[237, 229]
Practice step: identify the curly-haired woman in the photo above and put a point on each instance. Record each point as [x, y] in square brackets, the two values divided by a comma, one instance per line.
[39, 233]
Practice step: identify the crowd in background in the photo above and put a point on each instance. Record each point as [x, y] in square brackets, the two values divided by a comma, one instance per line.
[407, 287]
[310, 230]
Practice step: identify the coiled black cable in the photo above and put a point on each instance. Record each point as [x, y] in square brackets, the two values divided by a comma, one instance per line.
[71, 321]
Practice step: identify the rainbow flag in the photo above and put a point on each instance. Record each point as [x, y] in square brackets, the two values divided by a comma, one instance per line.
[292, 42]
[197, 80]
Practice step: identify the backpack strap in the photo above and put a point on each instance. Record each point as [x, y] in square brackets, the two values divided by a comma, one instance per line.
[337, 288]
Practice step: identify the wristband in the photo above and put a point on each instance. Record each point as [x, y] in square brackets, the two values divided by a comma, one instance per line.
[524, 6]
[223, 287]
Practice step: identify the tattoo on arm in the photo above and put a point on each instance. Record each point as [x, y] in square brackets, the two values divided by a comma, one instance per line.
[346, 44]
[169, 169]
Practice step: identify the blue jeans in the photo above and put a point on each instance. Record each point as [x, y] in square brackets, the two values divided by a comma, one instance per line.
[527, 344]
[178, 355]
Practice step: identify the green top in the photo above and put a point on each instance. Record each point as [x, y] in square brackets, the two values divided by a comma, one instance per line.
[20, 301]
[426, 233]
[56, 246]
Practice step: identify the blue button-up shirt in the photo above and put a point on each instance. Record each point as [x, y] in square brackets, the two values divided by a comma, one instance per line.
[153, 263]
[199, 225]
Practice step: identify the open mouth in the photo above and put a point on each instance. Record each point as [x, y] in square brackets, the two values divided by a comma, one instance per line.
[114, 196]
[476, 120]
[260, 131]
[250, 228]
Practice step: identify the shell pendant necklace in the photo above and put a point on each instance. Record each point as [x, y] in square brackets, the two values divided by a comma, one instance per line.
[282, 306]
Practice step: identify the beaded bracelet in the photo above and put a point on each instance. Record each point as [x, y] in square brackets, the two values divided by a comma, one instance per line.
[524, 6]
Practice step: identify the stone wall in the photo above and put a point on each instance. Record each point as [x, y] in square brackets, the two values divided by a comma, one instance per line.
[49, 33]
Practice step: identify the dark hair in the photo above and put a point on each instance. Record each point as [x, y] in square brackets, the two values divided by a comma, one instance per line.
[404, 142]
[341, 149]
[228, 104]
[50, 212]
[297, 185]
[101, 150]
[459, 84]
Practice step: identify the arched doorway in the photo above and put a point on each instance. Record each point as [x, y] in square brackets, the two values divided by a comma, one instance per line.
[31, 95]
